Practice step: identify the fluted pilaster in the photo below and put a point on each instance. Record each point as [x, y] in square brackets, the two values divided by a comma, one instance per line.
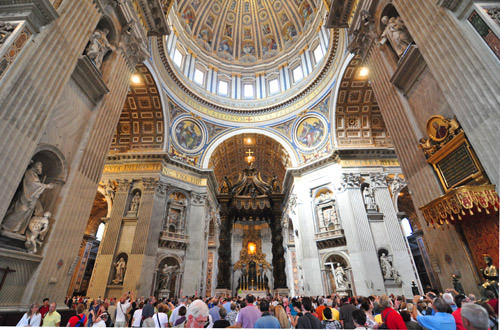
[466, 70]
[27, 103]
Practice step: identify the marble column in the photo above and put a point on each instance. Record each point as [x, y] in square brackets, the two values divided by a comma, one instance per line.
[309, 256]
[105, 255]
[400, 253]
[362, 252]
[26, 103]
[197, 245]
[419, 174]
[137, 278]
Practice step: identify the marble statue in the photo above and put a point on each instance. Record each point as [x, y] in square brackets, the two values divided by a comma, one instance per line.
[369, 197]
[6, 30]
[120, 267]
[340, 278]
[134, 204]
[109, 188]
[37, 229]
[20, 213]
[98, 47]
[166, 276]
[396, 33]
[387, 270]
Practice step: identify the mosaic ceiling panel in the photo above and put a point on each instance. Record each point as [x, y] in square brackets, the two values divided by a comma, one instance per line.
[229, 157]
[358, 119]
[246, 31]
[141, 122]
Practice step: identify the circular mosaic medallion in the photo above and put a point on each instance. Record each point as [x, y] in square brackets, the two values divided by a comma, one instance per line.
[263, 15]
[247, 19]
[277, 5]
[310, 132]
[188, 135]
[231, 17]
[216, 8]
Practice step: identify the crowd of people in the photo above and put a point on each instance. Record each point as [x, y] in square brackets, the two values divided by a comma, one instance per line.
[439, 311]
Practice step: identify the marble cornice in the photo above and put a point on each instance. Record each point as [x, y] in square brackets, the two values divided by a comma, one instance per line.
[36, 13]
[155, 16]
[292, 172]
[165, 160]
[367, 153]
[339, 13]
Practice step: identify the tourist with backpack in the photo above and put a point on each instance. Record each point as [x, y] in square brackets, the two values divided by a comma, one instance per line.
[80, 319]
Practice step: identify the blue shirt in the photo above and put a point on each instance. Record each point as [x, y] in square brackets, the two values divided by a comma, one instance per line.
[267, 322]
[214, 312]
[227, 306]
[438, 321]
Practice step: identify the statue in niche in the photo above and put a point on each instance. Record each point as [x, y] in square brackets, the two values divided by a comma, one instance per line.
[20, 213]
[6, 30]
[120, 267]
[167, 274]
[173, 217]
[387, 270]
[134, 204]
[37, 229]
[340, 278]
[369, 197]
[98, 47]
[396, 33]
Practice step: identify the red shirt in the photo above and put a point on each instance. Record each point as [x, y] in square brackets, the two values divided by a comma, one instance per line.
[457, 314]
[392, 319]
[75, 319]
[43, 310]
[493, 303]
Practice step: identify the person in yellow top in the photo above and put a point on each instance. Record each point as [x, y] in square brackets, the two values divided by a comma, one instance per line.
[52, 318]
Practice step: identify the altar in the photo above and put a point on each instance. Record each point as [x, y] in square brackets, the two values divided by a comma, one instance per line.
[255, 293]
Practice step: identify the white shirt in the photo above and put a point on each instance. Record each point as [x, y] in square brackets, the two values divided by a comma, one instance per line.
[121, 310]
[137, 318]
[162, 317]
[34, 321]
[100, 324]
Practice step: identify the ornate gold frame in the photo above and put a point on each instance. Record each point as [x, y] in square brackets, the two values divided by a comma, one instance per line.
[478, 176]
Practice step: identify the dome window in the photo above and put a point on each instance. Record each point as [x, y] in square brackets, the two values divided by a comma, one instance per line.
[177, 58]
[318, 54]
[298, 74]
[274, 86]
[248, 91]
[223, 87]
[198, 77]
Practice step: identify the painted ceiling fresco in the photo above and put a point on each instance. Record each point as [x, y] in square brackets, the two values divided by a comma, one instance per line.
[246, 31]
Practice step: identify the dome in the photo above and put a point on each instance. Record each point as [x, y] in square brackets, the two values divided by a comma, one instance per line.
[245, 32]
[259, 60]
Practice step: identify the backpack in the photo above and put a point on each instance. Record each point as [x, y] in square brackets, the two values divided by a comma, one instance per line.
[384, 325]
[81, 320]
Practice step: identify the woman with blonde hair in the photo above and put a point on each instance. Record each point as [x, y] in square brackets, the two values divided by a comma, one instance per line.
[31, 318]
[280, 314]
